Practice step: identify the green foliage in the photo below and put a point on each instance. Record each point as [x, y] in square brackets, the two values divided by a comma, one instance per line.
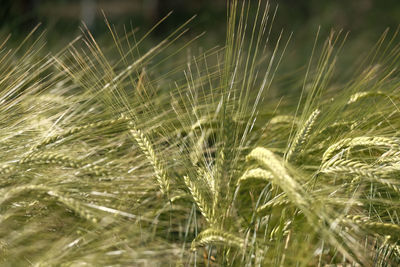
[111, 160]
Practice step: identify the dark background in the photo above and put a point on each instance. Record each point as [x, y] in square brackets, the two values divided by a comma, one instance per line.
[359, 16]
[366, 20]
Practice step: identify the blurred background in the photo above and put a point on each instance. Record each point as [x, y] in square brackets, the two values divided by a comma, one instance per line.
[359, 16]
[366, 20]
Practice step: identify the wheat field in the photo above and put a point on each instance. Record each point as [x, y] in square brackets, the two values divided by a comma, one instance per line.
[136, 161]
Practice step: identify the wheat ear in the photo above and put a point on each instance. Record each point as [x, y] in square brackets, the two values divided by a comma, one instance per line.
[5, 169]
[202, 203]
[362, 95]
[73, 204]
[276, 124]
[389, 157]
[281, 201]
[301, 136]
[377, 227]
[360, 141]
[74, 130]
[272, 204]
[17, 190]
[217, 237]
[225, 154]
[377, 174]
[51, 158]
[209, 179]
[256, 174]
[148, 151]
[286, 119]
[269, 160]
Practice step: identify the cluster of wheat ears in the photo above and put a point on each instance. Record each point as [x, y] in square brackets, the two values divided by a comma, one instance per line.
[138, 162]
